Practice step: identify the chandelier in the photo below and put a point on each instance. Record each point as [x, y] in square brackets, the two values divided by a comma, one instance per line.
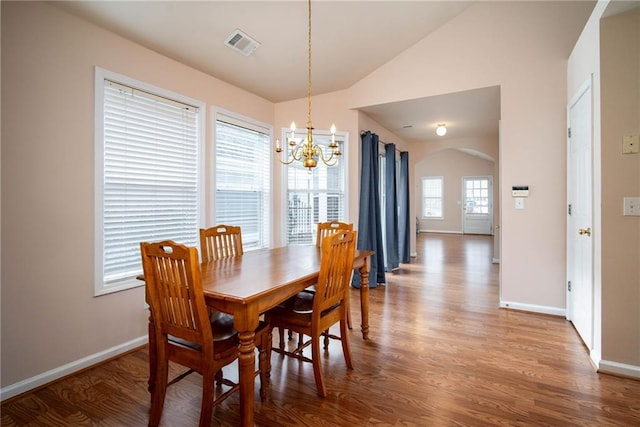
[306, 151]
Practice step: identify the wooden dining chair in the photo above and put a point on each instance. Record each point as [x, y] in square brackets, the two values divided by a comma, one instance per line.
[220, 241]
[326, 229]
[216, 243]
[326, 307]
[182, 330]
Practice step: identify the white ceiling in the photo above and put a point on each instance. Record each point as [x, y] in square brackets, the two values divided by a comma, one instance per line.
[350, 39]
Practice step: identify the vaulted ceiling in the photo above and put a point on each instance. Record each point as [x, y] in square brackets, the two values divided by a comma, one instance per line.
[350, 39]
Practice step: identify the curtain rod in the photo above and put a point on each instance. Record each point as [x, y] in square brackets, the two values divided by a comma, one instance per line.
[362, 132]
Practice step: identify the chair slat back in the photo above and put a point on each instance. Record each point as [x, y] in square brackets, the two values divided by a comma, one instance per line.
[220, 241]
[335, 270]
[172, 277]
[328, 228]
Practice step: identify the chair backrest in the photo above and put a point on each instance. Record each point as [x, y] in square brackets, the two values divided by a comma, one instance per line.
[328, 228]
[336, 267]
[220, 241]
[172, 278]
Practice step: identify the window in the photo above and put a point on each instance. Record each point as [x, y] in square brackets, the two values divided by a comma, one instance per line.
[432, 197]
[148, 174]
[476, 196]
[316, 196]
[243, 178]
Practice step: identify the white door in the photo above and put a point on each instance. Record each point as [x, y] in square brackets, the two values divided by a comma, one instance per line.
[477, 205]
[579, 216]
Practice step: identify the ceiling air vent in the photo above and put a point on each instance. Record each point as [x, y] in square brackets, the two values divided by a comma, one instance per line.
[242, 43]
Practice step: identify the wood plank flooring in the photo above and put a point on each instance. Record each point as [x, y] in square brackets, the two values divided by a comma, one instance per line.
[441, 353]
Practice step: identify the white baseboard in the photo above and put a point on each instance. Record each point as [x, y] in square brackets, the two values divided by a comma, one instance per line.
[555, 311]
[620, 369]
[441, 231]
[64, 370]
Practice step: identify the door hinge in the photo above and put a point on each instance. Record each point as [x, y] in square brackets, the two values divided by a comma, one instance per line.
[569, 132]
[569, 208]
[569, 285]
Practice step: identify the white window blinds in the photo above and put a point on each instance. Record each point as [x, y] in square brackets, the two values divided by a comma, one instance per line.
[150, 178]
[314, 197]
[243, 179]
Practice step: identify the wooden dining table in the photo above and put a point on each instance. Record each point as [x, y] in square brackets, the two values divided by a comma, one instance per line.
[249, 285]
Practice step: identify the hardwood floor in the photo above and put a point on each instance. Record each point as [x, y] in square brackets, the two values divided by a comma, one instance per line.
[441, 353]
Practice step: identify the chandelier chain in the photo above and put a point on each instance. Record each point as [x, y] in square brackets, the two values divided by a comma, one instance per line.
[309, 72]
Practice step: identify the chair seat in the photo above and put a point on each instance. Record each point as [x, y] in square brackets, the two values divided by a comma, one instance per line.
[221, 324]
[226, 338]
[300, 303]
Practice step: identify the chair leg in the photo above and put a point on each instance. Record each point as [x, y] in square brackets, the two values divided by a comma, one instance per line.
[346, 349]
[269, 345]
[281, 342]
[348, 312]
[159, 391]
[206, 408]
[263, 364]
[317, 364]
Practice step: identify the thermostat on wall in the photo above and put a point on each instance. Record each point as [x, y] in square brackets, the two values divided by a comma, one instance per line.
[520, 190]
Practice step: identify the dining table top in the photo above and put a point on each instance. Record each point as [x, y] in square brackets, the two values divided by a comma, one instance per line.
[249, 278]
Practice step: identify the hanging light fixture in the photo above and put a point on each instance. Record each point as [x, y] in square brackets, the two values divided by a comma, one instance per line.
[441, 130]
[306, 151]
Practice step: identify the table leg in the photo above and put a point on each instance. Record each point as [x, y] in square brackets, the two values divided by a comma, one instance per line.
[364, 298]
[246, 365]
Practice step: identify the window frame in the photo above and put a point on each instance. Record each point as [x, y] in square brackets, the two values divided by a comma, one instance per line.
[343, 138]
[424, 198]
[221, 114]
[101, 287]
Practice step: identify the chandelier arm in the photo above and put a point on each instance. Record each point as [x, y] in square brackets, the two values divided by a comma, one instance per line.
[294, 155]
[327, 161]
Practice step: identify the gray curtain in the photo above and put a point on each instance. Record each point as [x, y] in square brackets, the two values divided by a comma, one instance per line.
[369, 220]
[404, 226]
[391, 208]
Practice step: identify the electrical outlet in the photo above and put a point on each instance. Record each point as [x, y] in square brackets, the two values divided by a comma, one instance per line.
[630, 144]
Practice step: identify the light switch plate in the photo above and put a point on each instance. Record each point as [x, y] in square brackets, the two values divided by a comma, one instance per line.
[630, 144]
[631, 206]
[519, 202]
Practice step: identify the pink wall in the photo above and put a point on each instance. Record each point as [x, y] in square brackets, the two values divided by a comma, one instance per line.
[48, 60]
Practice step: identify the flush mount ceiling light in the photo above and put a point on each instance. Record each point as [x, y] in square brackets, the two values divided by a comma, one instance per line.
[441, 130]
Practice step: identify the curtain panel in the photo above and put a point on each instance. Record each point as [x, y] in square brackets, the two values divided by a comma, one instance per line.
[404, 226]
[391, 208]
[369, 217]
